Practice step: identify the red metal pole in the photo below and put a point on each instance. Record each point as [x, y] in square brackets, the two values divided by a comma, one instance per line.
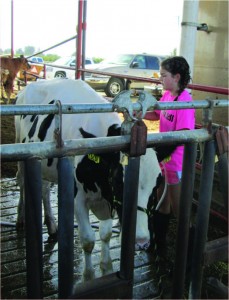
[12, 28]
[84, 37]
[198, 87]
[210, 89]
[79, 38]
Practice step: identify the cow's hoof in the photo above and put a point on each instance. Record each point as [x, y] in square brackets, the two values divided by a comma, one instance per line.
[88, 275]
[106, 268]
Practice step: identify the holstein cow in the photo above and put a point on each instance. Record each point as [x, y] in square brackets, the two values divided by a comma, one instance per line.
[96, 183]
[13, 65]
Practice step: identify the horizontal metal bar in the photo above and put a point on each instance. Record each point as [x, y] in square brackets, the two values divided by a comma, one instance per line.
[198, 87]
[106, 107]
[105, 287]
[56, 45]
[15, 152]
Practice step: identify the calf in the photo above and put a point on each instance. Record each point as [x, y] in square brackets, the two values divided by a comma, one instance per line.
[98, 179]
[13, 65]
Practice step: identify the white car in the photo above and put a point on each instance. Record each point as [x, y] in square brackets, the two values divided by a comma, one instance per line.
[69, 63]
[36, 59]
[139, 65]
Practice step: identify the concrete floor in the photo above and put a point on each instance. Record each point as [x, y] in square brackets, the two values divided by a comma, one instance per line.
[13, 255]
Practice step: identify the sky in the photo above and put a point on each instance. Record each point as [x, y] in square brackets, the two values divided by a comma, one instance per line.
[113, 26]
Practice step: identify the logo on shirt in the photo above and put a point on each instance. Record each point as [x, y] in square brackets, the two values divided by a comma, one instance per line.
[168, 116]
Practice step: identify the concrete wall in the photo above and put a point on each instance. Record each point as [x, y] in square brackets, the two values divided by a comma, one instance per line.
[211, 55]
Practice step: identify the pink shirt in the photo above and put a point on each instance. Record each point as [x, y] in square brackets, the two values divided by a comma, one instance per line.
[173, 120]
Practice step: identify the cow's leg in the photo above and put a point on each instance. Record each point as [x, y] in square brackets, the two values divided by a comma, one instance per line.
[49, 219]
[8, 89]
[105, 232]
[86, 234]
[8, 93]
[2, 93]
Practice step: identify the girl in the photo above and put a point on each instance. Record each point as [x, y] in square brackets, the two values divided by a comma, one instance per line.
[175, 76]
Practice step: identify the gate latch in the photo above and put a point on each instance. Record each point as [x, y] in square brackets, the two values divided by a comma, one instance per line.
[58, 126]
[138, 139]
[222, 140]
[133, 125]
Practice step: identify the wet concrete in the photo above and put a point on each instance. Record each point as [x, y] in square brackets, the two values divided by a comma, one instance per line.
[13, 255]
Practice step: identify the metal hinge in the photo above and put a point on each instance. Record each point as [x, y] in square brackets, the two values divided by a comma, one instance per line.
[199, 26]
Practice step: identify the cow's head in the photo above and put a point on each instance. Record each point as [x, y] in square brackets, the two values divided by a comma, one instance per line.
[24, 63]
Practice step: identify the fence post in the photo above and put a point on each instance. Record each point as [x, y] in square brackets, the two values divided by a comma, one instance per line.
[130, 197]
[206, 183]
[65, 226]
[33, 226]
[187, 185]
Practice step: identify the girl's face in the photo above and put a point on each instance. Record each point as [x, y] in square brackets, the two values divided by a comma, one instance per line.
[169, 81]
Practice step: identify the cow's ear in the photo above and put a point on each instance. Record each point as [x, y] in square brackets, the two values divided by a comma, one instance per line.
[85, 134]
[114, 130]
[163, 152]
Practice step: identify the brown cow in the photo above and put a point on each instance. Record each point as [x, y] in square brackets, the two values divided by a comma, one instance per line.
[13, 65]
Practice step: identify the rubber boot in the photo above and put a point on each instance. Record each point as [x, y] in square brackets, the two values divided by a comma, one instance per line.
[158, 227]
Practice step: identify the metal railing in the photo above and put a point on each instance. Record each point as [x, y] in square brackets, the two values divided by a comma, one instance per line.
[31, 153]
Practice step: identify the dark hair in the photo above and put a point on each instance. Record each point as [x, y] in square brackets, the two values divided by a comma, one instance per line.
[178, 65]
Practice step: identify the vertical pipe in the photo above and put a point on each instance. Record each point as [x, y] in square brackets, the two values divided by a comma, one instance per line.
[33, 226]
[44, 75]
[129, 214]
[206, 183]
[12, 28]
[187, 185]
[223, 175]
[65, 226]
[188, 33]
[79, 39]
[84, 37]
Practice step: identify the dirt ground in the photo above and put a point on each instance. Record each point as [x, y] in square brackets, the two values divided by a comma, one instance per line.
[8, 169]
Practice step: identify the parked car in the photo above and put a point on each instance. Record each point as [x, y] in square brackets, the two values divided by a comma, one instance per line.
[69, 62]
[36, 59]
[140, 65]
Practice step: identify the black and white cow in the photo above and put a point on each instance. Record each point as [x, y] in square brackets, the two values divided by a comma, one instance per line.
[96, 183]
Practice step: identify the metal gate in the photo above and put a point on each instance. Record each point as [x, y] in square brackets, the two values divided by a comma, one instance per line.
[121, 282]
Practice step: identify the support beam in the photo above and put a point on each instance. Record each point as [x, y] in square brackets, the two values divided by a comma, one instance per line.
[33, 227]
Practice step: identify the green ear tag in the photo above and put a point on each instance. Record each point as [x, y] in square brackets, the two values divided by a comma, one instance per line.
[94, 158]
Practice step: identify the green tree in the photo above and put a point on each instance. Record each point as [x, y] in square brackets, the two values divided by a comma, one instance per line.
[97, 59]
[29, 50]
[50, 57]
[7, 51]
[19, 52]
[174, 52]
